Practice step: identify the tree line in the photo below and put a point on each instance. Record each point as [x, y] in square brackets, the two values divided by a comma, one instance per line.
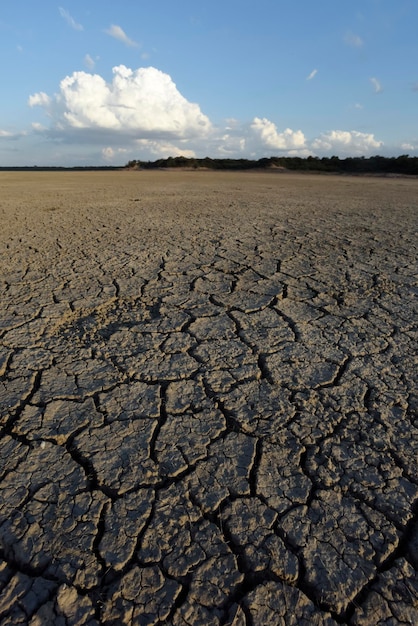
[403, 164]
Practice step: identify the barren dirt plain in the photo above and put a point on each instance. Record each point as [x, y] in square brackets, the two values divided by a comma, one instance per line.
[208, 394]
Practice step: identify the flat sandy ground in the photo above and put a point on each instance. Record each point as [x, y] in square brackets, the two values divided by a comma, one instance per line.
[208, 399]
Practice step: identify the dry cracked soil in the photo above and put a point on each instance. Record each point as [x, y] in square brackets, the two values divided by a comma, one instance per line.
[208, 399]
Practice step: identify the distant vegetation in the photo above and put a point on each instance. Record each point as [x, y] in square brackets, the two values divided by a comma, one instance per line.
[354, 165]
[404, 165]
[58, 168]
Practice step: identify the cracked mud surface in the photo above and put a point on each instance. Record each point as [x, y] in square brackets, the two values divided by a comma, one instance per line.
[208, 399]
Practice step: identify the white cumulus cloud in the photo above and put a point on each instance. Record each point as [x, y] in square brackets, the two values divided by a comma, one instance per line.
[346, 143]
[141, 103]
[39, 99]
[164, 149]
[312, 74]
[231, 146]
[117, 32]
[271, 138]
[140, 113]
[69, 19]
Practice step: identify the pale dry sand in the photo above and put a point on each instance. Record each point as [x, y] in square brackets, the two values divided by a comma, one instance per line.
[208, 399]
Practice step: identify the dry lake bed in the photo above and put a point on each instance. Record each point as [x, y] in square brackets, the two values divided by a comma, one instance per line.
[208, 395]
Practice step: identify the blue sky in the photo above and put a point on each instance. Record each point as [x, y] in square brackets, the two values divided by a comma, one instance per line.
[96, 82]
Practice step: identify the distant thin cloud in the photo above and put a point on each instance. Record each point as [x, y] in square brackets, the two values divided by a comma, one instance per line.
[89, 62]
[108, 153]
[353, 40]
[312, 74]
[415, 87]
[117, 32]
[376, 85]
[69, 19]
[5, 134]
[38, 128]
[358, 106]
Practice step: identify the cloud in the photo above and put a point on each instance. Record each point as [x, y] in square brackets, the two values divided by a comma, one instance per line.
[69, 19]
[5, 134]
[145, 149]
[262, 138]
[312, 74]
[141, 114]
[39, 128]
[89, 62]
[136, 104]
[164, 149]
[376, 85]
[345, 143]
[110, 154]
[358, 106]
[267, 132]
[408, 146]
[39, 99]
[353, 40]
[118, 33]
